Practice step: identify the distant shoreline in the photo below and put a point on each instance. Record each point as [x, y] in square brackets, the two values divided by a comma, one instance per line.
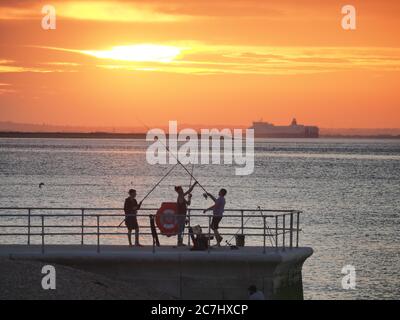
[109, 135]
[73, 135]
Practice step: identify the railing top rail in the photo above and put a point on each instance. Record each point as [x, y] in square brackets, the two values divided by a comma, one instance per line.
[144, 208]
[123, 215]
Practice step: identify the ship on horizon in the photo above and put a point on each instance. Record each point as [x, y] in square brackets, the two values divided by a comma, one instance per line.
[294, 130]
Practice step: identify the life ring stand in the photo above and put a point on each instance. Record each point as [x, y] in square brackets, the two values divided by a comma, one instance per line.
[167, 219]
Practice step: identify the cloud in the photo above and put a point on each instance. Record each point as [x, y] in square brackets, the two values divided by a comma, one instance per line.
[6, 88]
[149, 11]
[70, 64]
[137, 53]
[202, 58]
[121, 11]
[10, 66]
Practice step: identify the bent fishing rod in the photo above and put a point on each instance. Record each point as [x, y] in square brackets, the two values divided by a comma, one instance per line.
[178, 162]
[176, 158]
[156, 185]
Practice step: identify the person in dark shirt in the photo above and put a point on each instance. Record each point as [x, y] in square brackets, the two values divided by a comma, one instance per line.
[182, 204]
[131, 207]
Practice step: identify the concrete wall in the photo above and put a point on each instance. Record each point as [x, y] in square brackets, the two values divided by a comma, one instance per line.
[198, 275]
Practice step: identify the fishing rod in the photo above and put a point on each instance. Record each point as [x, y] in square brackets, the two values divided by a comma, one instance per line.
[269, 232]
[190, 182]
[155, 186]
[176, 158]
[178, 162]
[228, 242]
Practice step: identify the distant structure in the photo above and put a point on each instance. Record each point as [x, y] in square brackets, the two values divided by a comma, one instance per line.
[269, 130]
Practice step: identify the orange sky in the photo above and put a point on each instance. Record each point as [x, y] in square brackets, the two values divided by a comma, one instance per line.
[200, 62]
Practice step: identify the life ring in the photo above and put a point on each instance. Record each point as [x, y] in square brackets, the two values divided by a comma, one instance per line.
[167, 219]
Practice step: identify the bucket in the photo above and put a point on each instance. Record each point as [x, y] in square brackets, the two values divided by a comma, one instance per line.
[240, 240]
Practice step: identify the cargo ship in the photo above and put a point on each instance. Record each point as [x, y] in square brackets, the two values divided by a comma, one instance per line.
[294, 130]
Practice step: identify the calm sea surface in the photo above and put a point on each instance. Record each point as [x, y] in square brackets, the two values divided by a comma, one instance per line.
[349, 191]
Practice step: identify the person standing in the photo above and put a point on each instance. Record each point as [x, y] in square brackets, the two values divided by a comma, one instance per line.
[218, 211]
[182, 204]
[131, 207]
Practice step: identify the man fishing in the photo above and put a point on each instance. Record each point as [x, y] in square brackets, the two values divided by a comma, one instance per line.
[131, 207]
[182, 204]
[218, 210]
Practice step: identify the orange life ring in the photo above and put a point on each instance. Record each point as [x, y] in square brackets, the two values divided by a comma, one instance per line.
[167, 220]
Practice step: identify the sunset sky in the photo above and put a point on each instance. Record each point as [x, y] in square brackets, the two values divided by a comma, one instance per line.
[117, 63]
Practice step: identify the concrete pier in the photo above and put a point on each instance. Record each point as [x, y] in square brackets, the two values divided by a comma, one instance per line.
[220, 273]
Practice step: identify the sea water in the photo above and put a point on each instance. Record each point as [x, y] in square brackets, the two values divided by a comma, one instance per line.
[348, 190]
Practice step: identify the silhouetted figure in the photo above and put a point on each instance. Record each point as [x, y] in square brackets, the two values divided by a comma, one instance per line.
[255, 294]
[131, 207]
[218, 210]
[182, 204]
[200, 240]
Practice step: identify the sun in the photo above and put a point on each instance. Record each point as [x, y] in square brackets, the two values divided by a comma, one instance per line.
[138, 53]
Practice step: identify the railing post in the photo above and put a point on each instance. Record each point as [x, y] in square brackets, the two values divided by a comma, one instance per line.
[264, 233]
[98, 234]
[283, 230]
[42, 233]
[154, 246]
[276, 232]
[209, 233]
[291, 230]
[242, 219]
[188, 226]
[29, 226]
[82, 225]
[297, 230]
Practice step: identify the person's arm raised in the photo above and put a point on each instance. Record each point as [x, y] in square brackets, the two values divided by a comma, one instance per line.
[189, 200]
[191, 188]
[212, 197]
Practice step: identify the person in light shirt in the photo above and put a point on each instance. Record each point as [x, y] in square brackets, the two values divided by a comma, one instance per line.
[218, 211]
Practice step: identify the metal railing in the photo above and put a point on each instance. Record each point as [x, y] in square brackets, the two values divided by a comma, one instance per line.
[45, 223]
